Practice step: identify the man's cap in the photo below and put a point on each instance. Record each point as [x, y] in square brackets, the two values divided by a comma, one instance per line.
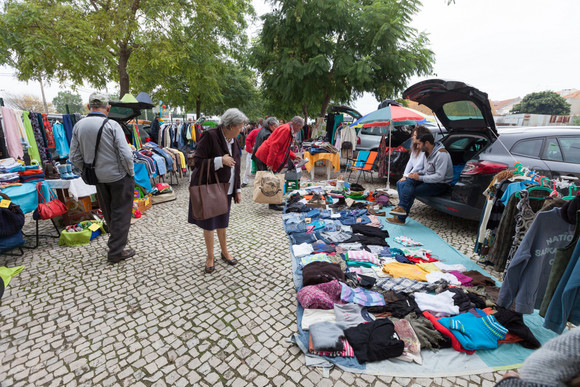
[98, 99]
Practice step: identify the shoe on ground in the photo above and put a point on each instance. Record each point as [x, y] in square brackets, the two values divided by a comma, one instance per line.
[398, 211]
[244, 185]
[127, 253]
[395, 220]
[276, 207]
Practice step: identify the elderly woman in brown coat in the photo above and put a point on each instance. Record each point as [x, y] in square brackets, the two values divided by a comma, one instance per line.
[219, 148]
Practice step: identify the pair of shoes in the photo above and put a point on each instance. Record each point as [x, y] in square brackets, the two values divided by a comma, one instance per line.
[65, 171]
[244, 185]
[276, 207]
[395, 220]
[232, 261]
[398, 211]
[127, 253]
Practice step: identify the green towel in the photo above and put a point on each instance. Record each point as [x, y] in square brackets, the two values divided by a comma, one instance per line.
[6, 273]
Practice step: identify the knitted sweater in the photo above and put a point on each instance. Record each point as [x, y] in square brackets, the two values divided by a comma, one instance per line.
[474, 332]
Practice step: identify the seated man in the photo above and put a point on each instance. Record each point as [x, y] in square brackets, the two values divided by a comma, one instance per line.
[433, 180]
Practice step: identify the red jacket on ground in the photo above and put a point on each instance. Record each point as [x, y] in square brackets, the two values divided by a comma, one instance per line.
[251, 139]
[274, 152]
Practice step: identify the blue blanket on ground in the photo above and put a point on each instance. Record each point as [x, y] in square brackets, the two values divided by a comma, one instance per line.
[444, 362]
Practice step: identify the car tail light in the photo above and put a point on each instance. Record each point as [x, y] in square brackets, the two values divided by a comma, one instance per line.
[482, 167]
[358, 141]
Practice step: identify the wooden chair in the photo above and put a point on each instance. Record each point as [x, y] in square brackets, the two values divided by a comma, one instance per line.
[367, 164]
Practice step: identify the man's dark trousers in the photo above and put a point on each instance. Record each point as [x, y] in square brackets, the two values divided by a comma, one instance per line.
[410, 188]
[116, 201]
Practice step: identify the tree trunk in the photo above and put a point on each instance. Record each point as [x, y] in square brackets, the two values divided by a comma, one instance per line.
[197, 108]
[305, 113]
[124, 53]
[325, 103]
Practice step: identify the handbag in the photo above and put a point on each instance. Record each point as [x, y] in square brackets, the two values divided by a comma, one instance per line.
[48, 210]
[208, 200]
[88, 173]
[268, 187]
[11, 218]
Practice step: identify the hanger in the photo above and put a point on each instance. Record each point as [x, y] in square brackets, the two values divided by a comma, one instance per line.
[571, 195]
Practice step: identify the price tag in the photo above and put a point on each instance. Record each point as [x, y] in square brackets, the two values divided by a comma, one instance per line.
[4, 203]
[94, 227]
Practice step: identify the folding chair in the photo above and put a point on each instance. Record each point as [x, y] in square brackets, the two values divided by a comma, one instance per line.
[366, 166]
[359, 162]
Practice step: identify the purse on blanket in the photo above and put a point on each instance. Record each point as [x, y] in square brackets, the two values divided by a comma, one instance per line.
[208, 200]
[48, 210]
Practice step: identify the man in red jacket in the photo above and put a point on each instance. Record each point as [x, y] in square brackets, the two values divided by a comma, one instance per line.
[275, 151]
[250, 141]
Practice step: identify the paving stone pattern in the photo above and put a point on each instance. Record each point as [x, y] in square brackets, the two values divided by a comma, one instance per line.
[70, 318]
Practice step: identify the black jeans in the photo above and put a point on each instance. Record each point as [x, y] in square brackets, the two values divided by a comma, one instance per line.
[116, 201]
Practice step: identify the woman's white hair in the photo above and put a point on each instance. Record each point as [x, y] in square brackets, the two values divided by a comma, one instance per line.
[233, 117]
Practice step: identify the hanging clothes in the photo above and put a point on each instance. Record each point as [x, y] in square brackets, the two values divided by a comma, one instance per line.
[33, 150]
[524, 219]
[3, 149]
[39, 136]
[68, 127]
[137, 137]
[526, 278]
[62, 147]
[565, 304]
[12, 134]
[562, 259]
[47, 130]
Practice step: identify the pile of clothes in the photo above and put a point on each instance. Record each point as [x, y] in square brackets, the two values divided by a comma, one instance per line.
[365, 299]
[319, 147]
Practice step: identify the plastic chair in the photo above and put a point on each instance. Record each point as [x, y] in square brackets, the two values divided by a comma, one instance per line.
[366, 166]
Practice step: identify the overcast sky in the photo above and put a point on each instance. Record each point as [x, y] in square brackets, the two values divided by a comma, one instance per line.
[507, 48]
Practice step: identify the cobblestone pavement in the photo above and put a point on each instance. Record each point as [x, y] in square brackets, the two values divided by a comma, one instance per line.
[70, 318]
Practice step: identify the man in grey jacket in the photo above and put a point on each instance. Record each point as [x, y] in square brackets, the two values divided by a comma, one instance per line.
[433, 180]
[114, 170]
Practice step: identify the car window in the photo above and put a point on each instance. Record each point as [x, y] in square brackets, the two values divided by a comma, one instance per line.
[571, 149]
[552, 150]
[462, 110]
[458, 144]
[374, 130]
[529, 148]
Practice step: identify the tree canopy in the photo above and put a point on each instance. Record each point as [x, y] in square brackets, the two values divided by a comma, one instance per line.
[542, 102]
[310, 52]
[96, 40]
[64, 98]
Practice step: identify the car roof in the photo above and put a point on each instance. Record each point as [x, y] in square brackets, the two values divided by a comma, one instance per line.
[540, 130]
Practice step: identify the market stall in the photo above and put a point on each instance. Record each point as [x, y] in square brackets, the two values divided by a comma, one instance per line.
[379, 298]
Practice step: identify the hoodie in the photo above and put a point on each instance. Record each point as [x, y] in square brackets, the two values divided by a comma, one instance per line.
[438, 166]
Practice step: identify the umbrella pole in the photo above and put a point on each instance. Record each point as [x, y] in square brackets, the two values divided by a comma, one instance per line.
[391, 192]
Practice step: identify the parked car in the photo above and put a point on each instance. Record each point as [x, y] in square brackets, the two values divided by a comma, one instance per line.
[370, 138]
[477, 155]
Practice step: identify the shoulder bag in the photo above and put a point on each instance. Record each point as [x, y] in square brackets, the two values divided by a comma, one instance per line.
[88, 173]
[48, 210]
[208, 200]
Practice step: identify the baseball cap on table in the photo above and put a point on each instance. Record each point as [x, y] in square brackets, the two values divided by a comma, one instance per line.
[98, 99]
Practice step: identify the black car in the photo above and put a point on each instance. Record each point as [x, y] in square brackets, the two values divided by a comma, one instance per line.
[477, 155]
